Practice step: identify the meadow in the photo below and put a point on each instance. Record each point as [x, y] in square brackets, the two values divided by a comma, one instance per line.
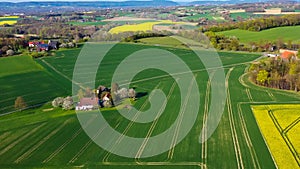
[22, 76]
[283, 33]
[87, 23]
[243, 15]
[47, 138]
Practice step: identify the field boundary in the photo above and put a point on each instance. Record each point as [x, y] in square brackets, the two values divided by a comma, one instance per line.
[234, 136]
[254, 157]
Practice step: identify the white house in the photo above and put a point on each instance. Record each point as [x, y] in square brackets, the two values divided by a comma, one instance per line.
[87, 104]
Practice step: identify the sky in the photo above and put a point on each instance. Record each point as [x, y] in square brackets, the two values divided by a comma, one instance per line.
[84, 0]
[105, 0]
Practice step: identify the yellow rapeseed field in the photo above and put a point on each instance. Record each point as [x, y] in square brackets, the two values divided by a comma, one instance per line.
[9, 17]
[285, 115]
[147, 26]
[10, 20]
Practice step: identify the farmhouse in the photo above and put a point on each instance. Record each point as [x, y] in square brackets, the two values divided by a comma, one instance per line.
[87, 104]
[287, 54]
[41, 46]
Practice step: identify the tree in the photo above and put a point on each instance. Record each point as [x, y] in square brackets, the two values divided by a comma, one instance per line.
[123, 93]
[114, 87]
[80, 94]
[68, 103]
[4, 49]
[262, 77]
[88, 92]
[20, 103]
[292, 76]
[131, 93]
[58, 102]
[10, 52]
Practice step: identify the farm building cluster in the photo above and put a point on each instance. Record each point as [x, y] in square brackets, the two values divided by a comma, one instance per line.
[284, 54]
[42, 46]
[104, 97]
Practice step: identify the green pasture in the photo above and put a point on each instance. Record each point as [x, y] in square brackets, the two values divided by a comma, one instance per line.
[87, 23]
[198, 16]
[243, 15]
[18, 64]
[22, 76]
[274, 34]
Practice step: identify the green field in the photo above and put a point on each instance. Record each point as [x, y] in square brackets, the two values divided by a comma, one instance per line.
[164, 41]
[198, 16]
[87, 23]
[243, 15]
[284, 33]
[22, 76]
[51, 138]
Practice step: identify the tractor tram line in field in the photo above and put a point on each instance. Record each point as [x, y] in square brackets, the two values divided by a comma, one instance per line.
[193, 71]
[241, 143]
[108, 154]
[252, 151]
[61, 74]
[59, 149]
[152, 127]
[85, 147]
[249, 94]
[235, 140]
[283, 133]
[293, 124]
[204, 128]
[181, 113]
[4, 135]
[29, 152]
[198, 164]
[10, 146]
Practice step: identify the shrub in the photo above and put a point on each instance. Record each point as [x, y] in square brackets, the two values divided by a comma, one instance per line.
[10, 52]
[131, 93]
[122, 93]
[68, 103]
[58, 102]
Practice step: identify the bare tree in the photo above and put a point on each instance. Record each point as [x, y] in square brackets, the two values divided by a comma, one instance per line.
[20, 103]
[131, 93]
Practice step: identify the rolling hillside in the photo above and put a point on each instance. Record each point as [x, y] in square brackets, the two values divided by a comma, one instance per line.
[284, 33]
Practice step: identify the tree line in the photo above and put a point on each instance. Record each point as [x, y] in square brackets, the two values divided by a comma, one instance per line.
[258, 24]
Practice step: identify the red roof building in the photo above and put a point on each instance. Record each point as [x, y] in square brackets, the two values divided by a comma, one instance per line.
[287, 54]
